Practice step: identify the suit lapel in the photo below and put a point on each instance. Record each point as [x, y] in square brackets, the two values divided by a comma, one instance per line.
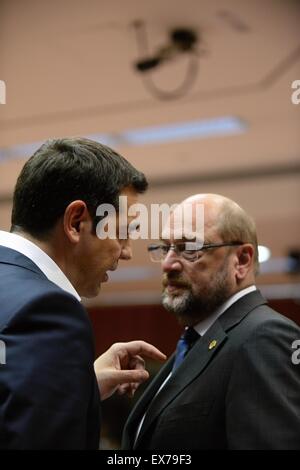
[142, 404]
[193, 365]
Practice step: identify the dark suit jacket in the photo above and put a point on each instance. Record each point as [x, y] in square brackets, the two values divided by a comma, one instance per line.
[242, 393]
[49, 397]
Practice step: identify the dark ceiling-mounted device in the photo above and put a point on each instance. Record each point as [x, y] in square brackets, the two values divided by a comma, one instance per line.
[181, 40]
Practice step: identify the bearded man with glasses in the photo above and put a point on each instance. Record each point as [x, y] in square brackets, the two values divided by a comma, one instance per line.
[231, 383]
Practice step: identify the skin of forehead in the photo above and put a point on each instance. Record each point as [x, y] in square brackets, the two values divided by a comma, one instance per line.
[212, 204]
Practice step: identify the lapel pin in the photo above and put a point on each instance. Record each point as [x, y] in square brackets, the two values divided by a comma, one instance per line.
[212, 344]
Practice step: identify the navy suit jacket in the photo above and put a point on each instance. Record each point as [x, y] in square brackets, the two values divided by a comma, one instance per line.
[236, 389]
[49, 397]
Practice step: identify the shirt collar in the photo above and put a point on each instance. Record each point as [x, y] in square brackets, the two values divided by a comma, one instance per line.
[40, 258]
[203, 326]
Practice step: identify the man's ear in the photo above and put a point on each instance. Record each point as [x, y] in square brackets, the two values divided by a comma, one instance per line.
[75, 215]
[245, 260]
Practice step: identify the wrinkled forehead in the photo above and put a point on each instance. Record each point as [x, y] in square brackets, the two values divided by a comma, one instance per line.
[186, 222]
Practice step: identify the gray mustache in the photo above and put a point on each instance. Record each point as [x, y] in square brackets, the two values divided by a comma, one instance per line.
[174, 280]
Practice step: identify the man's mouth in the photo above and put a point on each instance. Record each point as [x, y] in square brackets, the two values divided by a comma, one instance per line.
[172, 286]
[114, 267]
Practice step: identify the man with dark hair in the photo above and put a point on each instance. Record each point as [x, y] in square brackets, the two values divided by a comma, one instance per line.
[49, 384]
[232, 383]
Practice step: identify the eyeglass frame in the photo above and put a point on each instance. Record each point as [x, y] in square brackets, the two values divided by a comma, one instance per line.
[153, 247]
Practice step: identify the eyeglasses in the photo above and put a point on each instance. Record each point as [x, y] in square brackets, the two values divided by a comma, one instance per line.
[190, 251]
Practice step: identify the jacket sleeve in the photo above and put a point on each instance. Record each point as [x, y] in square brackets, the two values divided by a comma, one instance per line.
[263, 399]
[48, 380]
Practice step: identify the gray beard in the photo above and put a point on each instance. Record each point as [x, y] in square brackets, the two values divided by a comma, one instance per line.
[180, 304]
[191, 306]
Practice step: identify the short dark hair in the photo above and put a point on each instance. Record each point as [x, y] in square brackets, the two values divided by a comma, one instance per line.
[65, 170]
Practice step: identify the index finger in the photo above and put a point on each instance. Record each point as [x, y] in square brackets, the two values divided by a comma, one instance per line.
[143, 349]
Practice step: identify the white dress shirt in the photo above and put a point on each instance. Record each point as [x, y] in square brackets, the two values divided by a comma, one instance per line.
[40, 258]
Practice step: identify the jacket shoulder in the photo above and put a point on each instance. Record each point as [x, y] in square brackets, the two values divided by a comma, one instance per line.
[21, 290]
[264, 317]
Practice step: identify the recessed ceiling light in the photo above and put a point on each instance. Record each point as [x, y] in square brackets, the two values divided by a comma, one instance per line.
[264, 253]
[199, 129]
[180, 131]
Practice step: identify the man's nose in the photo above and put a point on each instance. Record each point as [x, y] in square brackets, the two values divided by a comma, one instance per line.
[171, 262]
[126, 252]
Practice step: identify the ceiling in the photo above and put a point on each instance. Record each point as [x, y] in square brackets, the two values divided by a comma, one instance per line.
[68, 69]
